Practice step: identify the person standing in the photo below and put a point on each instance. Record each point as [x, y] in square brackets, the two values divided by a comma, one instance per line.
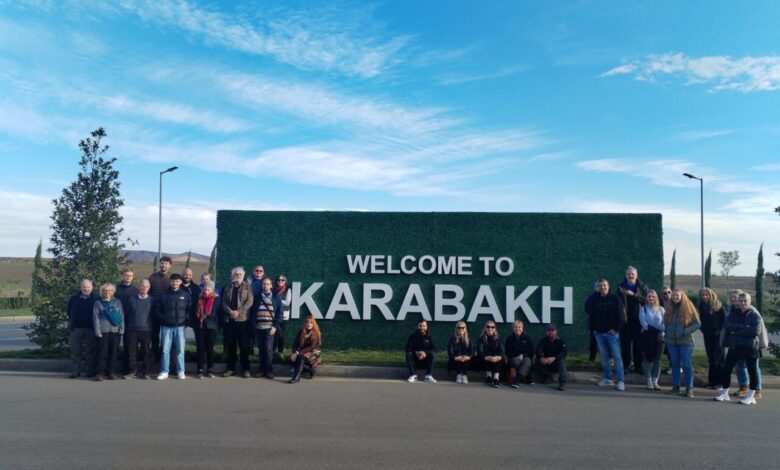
[268, 318]
[159, 282]
[606, 320]
[190, 286]
[81, 339]
[306, 350]
[285, 295]
[205, 324]
[742, 330]
[712, 316]
[173, 308]
[632, 293]
[108, 320]
[138, 326]
[551, 356]
[460, 351]
[652, 339]
[125, 290]
[680, 322]
[491, 353]
[420, 351]
[236, 302]
[520, 354]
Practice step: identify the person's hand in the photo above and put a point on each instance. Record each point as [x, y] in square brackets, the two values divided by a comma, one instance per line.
[421, 355]
[293, 357]
[273, 330]
[233, 314]
[630, 292]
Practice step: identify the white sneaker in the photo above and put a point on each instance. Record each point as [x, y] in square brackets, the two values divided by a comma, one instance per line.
[430, 379]
[723, 395]
[465, 379]
[412, 378]
[604, 383]
[162, 376]
[181, 376]
[620, 386]
[750, 399]
[650, 384]
[459, 379]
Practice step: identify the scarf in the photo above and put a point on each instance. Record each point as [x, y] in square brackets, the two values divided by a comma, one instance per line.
[280, 290]
[205, 304]
[111, 312]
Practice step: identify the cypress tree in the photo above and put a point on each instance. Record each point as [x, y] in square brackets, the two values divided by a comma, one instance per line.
[156, 264]
[213, 263]
[189, 259]
[35, 290]
[760, 279]
[673, 271]
[708, 270]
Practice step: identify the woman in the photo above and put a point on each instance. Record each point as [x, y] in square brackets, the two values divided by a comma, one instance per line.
[712, 316]
[680, 321]
[491, 351]
[285, 295]
[205, 325]
[520, 354]
[651, 319]
[108, 320]
[306, 350]
[742, 330]
[460, 351]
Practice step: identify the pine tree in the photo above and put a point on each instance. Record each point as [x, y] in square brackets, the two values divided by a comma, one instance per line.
[189, 259]
[213, 263]
[35, 290]
[86, 228]
[156, 264]
[759, 300]
[708, 270]
[673, 271]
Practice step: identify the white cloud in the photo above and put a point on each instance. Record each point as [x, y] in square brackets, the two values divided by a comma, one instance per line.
[699, 135]
[461, 79]
[766, 167]
[321, 40]
[745, 74]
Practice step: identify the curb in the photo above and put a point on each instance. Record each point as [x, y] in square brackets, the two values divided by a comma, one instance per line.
[19, 319]
[359, 372]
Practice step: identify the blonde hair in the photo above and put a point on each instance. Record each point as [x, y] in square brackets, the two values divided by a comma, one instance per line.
[687, 310]
[488, 323]
[465, 332]
[655, 295]
[714, 301]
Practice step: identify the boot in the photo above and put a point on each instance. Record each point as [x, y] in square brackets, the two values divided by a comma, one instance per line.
[758, 395]
[296, 376]
[742, 392]
[750, 398]
[723, 395]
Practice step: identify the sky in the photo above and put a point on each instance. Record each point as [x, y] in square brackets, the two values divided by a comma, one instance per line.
[500, 106]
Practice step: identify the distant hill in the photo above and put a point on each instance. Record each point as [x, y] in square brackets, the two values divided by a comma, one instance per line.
[145, 256]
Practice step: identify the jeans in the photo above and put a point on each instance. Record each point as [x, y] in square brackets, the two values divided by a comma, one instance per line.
[82, 346]
[557, 366]
[609, 344]
[681, 354]
[412, 363]
[523, 367]
[265, 346]
[172, 335]
[742, 374]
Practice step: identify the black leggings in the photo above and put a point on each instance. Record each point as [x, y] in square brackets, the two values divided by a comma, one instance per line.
[204, 342]
[752, 368]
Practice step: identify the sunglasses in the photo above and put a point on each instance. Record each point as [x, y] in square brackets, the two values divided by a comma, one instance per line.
[461, 327]
[491, 327]
[281, 280]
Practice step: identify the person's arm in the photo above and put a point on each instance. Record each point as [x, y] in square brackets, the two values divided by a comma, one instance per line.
[432, 348]
[121, 310]
[96, 320]
[643, 318]
[278, 312]
[451, 348]
[641, 292]
[287, 299]
[315, 344]
[71, 313]
[530, 349]
[562, 351]
[244, 301]
[752, 328]
[410, 343]
[695, 325]
[501, 349]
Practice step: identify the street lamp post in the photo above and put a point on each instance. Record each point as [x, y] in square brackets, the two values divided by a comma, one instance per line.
[701, 215]
[159, 214]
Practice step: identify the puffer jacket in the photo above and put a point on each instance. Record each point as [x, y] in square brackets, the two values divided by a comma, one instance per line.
[490, 346]
[742, 329]
[456, 347]
[676, 333]
[172, 308]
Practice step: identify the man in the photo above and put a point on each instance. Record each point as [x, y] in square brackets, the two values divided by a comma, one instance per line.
[236, 301]
[159, 282]
[82, 333]
[172, 309]
[256, 284]
[420, 349]
[551, 356]
[138, 326]
[192, 288]
[125, 290]
[606, 319]
[632, 293]
[268, 319]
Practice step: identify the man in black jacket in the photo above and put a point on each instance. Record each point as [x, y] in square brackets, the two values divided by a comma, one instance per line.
[82, 331]
[172, 309]
[519, 350]
[420, 349]
[551, 356]
[632, 293]
[606, 319]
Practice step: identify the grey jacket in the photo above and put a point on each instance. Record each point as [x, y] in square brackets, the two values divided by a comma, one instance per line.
[680, 335]
[101, 322]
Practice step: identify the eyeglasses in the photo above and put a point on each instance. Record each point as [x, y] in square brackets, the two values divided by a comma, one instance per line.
[259, 271]
[490, 327]
[461, 327]
[281, 280]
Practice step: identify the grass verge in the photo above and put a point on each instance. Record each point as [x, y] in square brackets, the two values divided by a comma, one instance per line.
[19, 312]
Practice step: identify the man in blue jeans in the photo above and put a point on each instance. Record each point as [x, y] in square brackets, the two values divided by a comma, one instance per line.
[606, 319]
[172, 309]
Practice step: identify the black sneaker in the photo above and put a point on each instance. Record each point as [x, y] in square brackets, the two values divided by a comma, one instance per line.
[496, 383]
[515, 385]
[560, 387]
[489, 380]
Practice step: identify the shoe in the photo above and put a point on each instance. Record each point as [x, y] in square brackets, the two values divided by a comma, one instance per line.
[210, 374]
[73, 375]
[668, 371]
[412, 378]
[246, 374]
[530, 381]
[181, 376]
[459, 379]
[495, 384]
[758, 395]
[430, 379]
[227, 373]
[515, 384]
[560, 388]
[750, 398]
[620, 386]
[675, 391]
[465, 379]
[655, 385]
[688, 393]
[489, 380]
[295, 379]
[200, 375]
[111, 377]
[146, 377]
[650, 384]
[98, 378]
[128, 376]
[723, 395]
[162, 376]
[259, 375]
[605, 383]
[269, 375]
[741, 392]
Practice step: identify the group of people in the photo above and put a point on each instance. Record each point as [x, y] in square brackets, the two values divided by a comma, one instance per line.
[152, 319]
[490, 354]
[635, 325]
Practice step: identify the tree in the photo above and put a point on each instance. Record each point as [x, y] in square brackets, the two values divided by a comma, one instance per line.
[35, 290]
[213, 263]
[189, 259]
[708, 270]
[86, 227]
[759, 299]
[156, 264]
[728, 260]
[673, 271]
[772, 312]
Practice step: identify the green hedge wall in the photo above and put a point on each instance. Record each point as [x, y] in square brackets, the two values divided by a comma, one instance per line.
[548, 249]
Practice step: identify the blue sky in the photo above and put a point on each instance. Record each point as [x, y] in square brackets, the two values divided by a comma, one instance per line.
[399, 106]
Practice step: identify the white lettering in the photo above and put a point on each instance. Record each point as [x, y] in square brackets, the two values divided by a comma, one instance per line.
[406, 270]
[484, 294]
[510, 266]
[349, 305]
[431, 261]
[464, 265]
[439, 302]
[566, 304]
[486, 260]
[379, 302]
[390, 269]
[414, 294]
[446, 265]
[521, 301]
[357, 263]
[304, 299]
[377, 264]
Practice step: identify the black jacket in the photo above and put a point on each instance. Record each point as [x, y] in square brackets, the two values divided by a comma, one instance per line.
[604, 313]
[138, 313]
[742, 329]
[458, 348]
[517, 345]
[420, 342]
[711, 322]
[633, 303]
[172, 308]
[80, 311]
[490, 346]
[194, 291]
[547, 348]
[123, 293]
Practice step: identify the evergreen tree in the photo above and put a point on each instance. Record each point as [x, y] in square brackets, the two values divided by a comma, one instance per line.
[84, 242]
[708, 270]
[189, 259]
[35, 290]
[156, 264]
[673, 271]
[759, 299]
[213, 263]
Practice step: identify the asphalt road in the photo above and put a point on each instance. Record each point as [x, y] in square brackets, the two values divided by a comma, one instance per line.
[13, 337]
[48, 421]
